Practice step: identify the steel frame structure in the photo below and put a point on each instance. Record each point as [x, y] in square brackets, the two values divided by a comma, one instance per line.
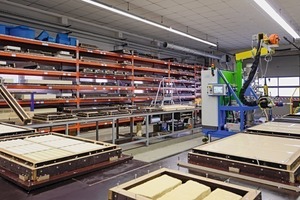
[114, 120]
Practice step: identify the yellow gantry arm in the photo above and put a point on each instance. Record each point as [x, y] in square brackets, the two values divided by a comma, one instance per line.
[250, 54]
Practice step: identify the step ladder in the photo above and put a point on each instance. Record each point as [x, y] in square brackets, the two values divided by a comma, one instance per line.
[167, 88]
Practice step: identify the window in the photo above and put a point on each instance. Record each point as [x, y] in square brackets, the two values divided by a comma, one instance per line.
[273, 92]
[270, 81]
[280, 86]
[289, 81]
[286, 92]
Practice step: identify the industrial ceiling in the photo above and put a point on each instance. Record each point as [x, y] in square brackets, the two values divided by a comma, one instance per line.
[230, 23]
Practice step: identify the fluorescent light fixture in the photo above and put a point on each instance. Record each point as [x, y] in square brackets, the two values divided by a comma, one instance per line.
[120, 12]
[270, 11]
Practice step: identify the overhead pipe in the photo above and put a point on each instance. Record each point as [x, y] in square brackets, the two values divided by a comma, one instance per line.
[190, 51]
[71, 19]
[292, 43]
[88, 23]
[87, 35]
[80, 32]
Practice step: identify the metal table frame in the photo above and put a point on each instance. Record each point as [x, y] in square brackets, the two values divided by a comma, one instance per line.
[115, 125]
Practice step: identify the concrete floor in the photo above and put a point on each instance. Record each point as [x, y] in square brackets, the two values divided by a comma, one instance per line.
[106, 135]
[95, 186]
[168, 146]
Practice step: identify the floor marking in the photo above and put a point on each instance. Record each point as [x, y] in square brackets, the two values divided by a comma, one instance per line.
[120, 174]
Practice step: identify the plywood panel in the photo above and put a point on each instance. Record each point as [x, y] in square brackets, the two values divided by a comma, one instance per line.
[50, 154]
[30, 148]
[278, 127]
[258, 147]
[13, 143]
[176, 107]
[47, 147]
[50, 82]
[82, 147]
[36, 96]
[10, 129]
[45, 138]
[62, 143]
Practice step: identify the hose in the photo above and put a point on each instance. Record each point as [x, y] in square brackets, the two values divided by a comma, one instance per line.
[250, 78]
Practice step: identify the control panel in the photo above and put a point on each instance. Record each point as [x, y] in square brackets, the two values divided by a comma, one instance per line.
[215, 89]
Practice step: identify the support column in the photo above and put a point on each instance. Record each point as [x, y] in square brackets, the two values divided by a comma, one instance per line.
[147, 130]
[97, 131]
[113, 131]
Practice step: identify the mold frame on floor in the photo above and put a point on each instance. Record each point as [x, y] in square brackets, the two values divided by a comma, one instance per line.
[31, 175]
[121, 191]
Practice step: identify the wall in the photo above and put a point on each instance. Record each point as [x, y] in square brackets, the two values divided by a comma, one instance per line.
[281, 66]
[284, 66]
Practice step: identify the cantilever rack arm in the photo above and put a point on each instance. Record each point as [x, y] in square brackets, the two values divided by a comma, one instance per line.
[13, 104]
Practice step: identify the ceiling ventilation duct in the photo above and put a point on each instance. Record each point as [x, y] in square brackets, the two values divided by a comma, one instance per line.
[190, 51]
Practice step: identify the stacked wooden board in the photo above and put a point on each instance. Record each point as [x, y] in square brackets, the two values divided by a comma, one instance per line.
[53, 117]
[176, 107]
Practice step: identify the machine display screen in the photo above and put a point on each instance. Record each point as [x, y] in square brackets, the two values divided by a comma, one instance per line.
[218, 89]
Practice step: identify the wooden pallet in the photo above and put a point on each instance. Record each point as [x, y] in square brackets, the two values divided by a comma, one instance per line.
[91, 114]
[53, 117]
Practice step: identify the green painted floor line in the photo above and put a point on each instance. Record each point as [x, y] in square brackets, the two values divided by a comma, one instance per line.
[162, 144]
[163, 152]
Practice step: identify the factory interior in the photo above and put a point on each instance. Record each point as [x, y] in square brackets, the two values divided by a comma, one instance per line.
[150, 100]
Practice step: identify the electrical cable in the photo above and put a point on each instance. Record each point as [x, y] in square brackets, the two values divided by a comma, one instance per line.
[252, 73]
[268, 58]
[266, 114]
[292, 43]
[260, 64]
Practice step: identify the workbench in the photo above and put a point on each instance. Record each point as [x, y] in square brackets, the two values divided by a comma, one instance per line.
[114, 121]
